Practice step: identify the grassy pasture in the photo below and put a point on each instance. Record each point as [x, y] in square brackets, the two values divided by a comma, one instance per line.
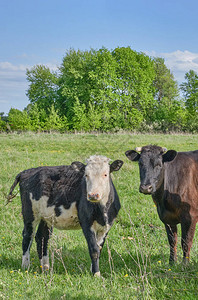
[134, 261]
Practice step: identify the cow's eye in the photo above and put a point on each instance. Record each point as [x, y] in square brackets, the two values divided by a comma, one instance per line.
[105, 175]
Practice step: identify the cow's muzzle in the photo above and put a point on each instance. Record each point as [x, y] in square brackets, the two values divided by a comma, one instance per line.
[146, 189]
[93, 197]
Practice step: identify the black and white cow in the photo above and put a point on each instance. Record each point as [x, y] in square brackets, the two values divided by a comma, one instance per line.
[68, 197]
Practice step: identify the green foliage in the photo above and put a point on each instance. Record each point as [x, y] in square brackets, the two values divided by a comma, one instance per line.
[18, 120]
[170, 117]
[190, 91]
[74, 81]
[135, 76]
[2, 124]
[94, 116]
[108, 91]
[166, 88]
[79, 120]
[35, 114]
[54, 121]
[35, 119]
[43, 88]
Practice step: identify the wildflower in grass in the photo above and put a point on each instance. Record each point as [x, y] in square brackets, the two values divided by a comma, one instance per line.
[35, 272]
[26, 271]
[159, 262]
[11, 272]
[126, 275]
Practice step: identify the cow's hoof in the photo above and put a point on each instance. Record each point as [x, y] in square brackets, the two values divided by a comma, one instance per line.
[25, 261]
[97, 274]
[45, 267]
[45, 263]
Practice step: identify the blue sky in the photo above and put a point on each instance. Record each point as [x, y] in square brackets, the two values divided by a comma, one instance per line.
[40, 32]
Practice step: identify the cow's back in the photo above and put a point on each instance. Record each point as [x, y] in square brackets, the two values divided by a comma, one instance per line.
[52, 194]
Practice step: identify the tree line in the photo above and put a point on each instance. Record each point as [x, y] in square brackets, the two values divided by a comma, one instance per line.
[107, 91]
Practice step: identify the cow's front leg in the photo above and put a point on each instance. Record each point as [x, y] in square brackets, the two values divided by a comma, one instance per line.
[188, 231]
[171, 231]
[94, 250]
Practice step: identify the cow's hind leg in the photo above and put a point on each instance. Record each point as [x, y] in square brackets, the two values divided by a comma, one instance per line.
[188, 231]
[42, 237]
[28, 235]
[172, 239]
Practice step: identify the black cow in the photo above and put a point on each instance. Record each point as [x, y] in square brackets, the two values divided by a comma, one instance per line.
[172, 180]
[68, 197]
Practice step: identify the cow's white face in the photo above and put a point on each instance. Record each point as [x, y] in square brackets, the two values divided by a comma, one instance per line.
[97, 175]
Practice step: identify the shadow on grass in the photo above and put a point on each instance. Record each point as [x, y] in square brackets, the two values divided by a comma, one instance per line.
[112, 261]
[59, 295]
[10, 263]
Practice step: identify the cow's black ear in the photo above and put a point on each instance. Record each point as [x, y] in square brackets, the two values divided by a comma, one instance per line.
[78, 166]
[116, 165]
[132, 155]
[169, 155]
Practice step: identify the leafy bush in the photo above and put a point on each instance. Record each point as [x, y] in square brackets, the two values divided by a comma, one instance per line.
[19, 120]
[2, 125]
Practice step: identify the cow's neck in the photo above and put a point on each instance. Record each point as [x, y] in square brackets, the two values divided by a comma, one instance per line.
[161, 200]
[158, 198]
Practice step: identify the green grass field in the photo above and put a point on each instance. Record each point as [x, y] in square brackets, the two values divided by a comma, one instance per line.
[134, 261]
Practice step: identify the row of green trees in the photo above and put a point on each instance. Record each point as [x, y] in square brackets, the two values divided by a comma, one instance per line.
[107, 90]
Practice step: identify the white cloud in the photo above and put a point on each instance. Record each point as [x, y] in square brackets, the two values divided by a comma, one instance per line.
[14, 85]
[179, 62]
[7, 66]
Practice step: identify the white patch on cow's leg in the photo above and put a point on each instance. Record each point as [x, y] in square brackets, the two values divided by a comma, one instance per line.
[100, 232]
[97, 274]
[26, 260]
[45, 263]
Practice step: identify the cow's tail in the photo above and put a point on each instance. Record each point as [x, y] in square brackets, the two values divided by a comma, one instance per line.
[10, 195]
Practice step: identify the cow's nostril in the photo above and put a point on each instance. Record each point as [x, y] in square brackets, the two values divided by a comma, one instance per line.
[93, 196]
[146, 189]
